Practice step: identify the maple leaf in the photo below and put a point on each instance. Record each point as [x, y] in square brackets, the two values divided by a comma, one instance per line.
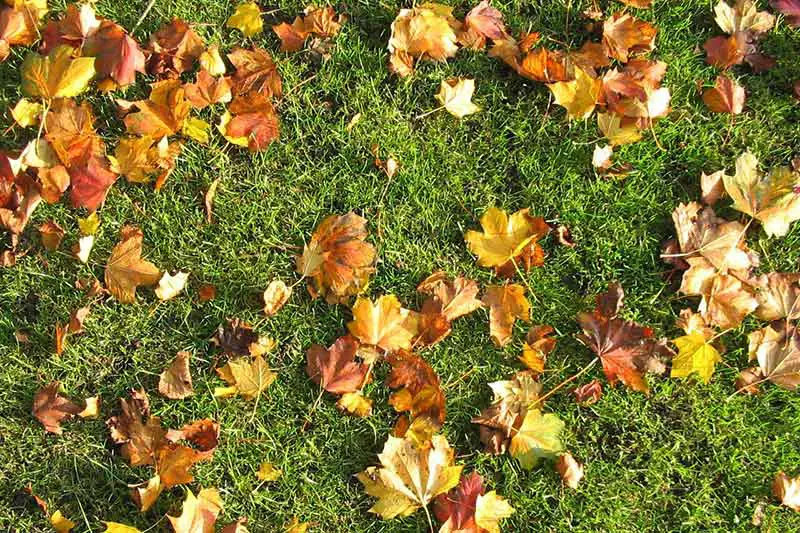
[588, 393]
[139, 433]
[211, 61]
[250, 121]
[50, 408]
[538, 345]
[695, 354]
[91, 182]
[60, 523]
[506, 303]
[777, 349]
[725, 97]
[448, 300]
[625, 36]
[163, 113]
[384, 323]
[410, 475]
[141, 158]
[199, 513]
[743, 16]
[770, 198]
[536, 438]
[56, 75]
[117, 55]
[174, 49]
[69, 129]
[247, 376]
[175, 382]
[512, 400]
[247, 19]
[544, 65]
[486, 21]
[116, 527]
[505, 240]
[72, 29]
[421, 393]
[427, 32]
[790, 10]
[255, 72]
[787, 490]
[570, 470]
[725, 51]
[126, 269]
[338, 260]
[293, 36]
[336, 369]
[455, 95]
[725, 299]
[469, 508]
[778, 296]
[19, 24]
[578, 96]
[208, 90]
[626, 349]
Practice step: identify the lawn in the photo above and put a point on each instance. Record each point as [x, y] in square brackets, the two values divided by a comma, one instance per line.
[688, 457]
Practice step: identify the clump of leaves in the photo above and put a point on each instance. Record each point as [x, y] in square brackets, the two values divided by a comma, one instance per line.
[322, 23]
[468, 507]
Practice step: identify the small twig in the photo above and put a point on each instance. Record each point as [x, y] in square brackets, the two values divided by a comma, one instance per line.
[525, 281]
[290, 91]
[146, 12]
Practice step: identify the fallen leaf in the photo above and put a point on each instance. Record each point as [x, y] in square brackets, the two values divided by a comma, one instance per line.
[486, 21]
[207, 292]
[267, 472]
[504, 240]
[76, 319]
[564, 236]
[295, 526]
[175, 47]
[292, 36]
[778, 296]
[117, 55]
[536, 438]
[56, 75]
[256, 72]
[60, 523]
[175, 382]
[712, 186]
[211, 61]
[790, 10]
[510, 404]
[570, 470]
[235, 337]
[354, 403]
[199, 514]
[50, 408]
[455, 95]
[247, 19]
[777, 349]
[743, 16]
[250, 121]
[26, 113]
[410, 476]
[83, 248]
[247, 376]
[60, 338]
[126, 269]
[207, 90]
[424, 32]
[384, 323]
[163, 113]
[725, 97]
[19, 24]
[538, 345]
[618, 130]
[787, 490]
[116, 527]
[695, 354]
[92, 409]
[146, 494]
[506, 303]
[448, 301]
[625, 36]
[336, 369]
[240, 526]
[724, 52]
[420, 393]
[208, 198]
[588, 393]
[578, 96]
[748, 380]
[275, 297]
[52, 234]
[541, 64]
[469, 508]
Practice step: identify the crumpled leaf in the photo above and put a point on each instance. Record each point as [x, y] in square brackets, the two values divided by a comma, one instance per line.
[410, 475]
[384, 323]
[235, 337]
[448, 300]
[624, 36]
[469, 508]
[506, 304]
[536, 438]
[337, 259]
[50, 408]
[506, 240]
[336, 369]
[787, 490]
[247, 376]
[770, 198]
[743, 16]
[26, 113]
[247, 19]
[321, 21]
[199, 513]
[511, 402]
[175, 382]
[126, 269]
[588, 393]
[570, 470]
[427, 32]
[56, 75]
[52, 234]
[174, 49]
[777, 349]
[578, 96]
[455, 95]
[725, 299]
[726, 96]
[626, 349]
[162, 114]
[420, 393]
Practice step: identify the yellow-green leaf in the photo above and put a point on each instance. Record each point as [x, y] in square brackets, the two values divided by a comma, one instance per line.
[537, 438]
[56, 75]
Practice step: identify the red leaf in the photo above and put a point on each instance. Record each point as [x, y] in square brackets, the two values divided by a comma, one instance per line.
[91, 183]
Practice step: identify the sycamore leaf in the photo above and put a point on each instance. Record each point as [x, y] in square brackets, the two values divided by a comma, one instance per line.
[116, 527]
[146, 494]
[426, 32]
[338, 260]
[504, 239]
[625, 36]
[126, 269]
[777, 349]
[69, 128]
[506, 303]
[247, 376]
[536, 438]
[384, 323]
[140, 434]
[50, 408]
[175, 382]
[117, 55]
[695, 354]
[770, 198]
[175, 47]
[570, 470]
[420, 393]
[56, 75]
[256, 72]
[410, 475]
[787, 490]
[578, 96]
[725, 97]
[778, 296]
[19, 24]
[293, 36]
[455, 95]
[618, 130]
[448, 300]
[538, 345]
[486, 21]
[743, 16]
[211, 61]
[725, 299]
[163, 113]
[199, 514]
[247, 19]
[469, 508]
[208, 90]
[336, 369]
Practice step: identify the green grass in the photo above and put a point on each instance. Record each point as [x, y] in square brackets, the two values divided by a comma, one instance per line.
[682, 459]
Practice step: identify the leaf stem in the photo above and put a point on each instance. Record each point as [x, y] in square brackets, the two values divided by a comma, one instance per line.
[568, 380]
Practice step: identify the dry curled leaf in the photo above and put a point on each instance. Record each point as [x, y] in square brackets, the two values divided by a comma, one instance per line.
[174, 49]
[570, 470]
[50, 408]
[588, 393]
[448, 300]
[420, 393]
[170, 286]
[777, 349]
[275, 297]
[175, 382]
[787, 490]
[52, 234]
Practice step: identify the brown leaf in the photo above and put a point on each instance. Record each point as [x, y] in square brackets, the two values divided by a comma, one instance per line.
[60, 338]
[725, 51]
[625, 36]
[777, 349]
[292, 36]
[421, 393]
[725, 299]
[712, 186]
[486, 21]
[588, 393]
[778, 296]
[458, 297]
[140, 434]
[787, 490]
[208, 198]
[50, 408]
[235, 337]
[336, 369]
[338, 260]
[207, 90]
[570, 470]
[545, 65]
[175, 382]
[52, 234]
[506, 303]
[69, 128]
[725, 97]
[748, 380]
[538, 345]
[76, 319]
[126, 269]
[174, 49]
[256, 72]
[207, 292]
[251, 121]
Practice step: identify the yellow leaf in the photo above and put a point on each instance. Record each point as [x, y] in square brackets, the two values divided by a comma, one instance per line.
[695, 354]
[267, 472]
[490, 508]
[355, 404]
[538, 437]
[89, 225]
[456, 97]
[296, 526]
[212, 62]
[92, 409]
[61, 523]
[506, 303]
[26, 113]
[199, 514]
[275, 297]
[57, 75]
[197, 129]
[578, 96]
[146, 496]
[248, 377]
[615, 131]
[503, 237]
[385, 323]
[247, 19]
[116, 527]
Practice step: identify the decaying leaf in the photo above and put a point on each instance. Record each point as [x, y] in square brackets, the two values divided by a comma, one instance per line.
[570, 470]
[420, 393]
[455, 95]
[507, 243]
[275, 297]
[778, 296]
[588, 393]
[506, 304]
[126, 269]
[469, 508]
[50, 408]
[175, 382]
[410, 475]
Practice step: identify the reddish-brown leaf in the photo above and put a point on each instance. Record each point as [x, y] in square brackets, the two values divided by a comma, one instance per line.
[174, 49]
[208, 90]
[625, 36]
[117, 55]
[726, 96]
[235, 337]
[588, 393]
[253, 118]
[91, 182]
[336, 369]
[421, 392]
[50, 408]
[255, 72]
